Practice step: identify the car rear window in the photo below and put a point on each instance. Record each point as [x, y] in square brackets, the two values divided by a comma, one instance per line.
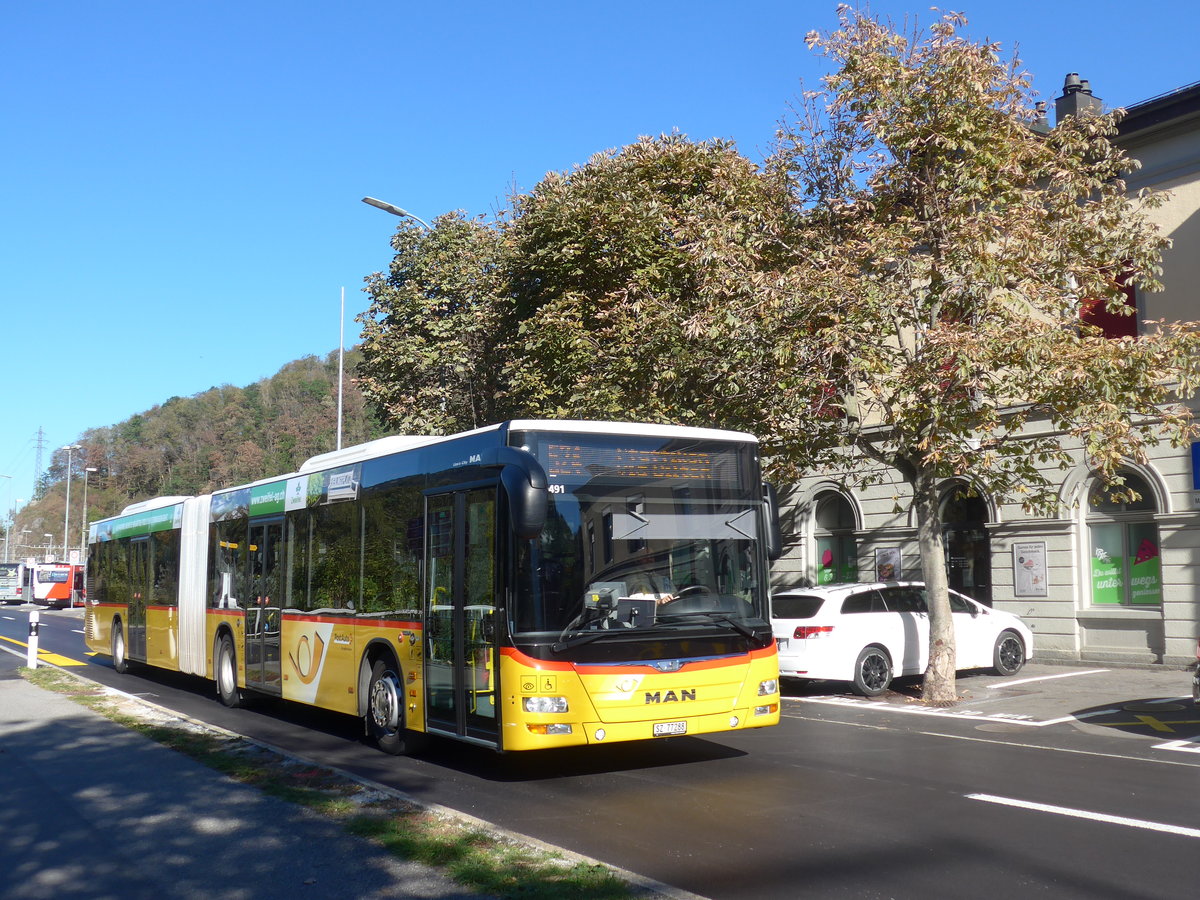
[796, 606]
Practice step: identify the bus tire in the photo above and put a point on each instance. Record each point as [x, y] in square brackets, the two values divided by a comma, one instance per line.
[225, 672]
[385, 708]
[120, 657]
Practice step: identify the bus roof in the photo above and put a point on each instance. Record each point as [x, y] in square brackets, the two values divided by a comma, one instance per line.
[146, 505]
[398, 443]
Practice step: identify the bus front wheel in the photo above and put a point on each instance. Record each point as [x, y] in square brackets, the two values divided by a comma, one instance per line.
[385, 709]
[226, 673]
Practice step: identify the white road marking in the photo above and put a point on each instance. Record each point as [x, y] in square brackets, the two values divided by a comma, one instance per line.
[976, 715]
[1181, 746]
[968, 714]
[1085, 814]
[1008, 684]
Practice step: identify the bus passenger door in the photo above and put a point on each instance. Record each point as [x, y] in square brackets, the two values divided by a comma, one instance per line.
[263, 606]
[461, 593]
[139, 597]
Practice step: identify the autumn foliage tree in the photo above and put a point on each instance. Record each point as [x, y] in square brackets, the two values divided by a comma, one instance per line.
[432, 334]
[947, 249]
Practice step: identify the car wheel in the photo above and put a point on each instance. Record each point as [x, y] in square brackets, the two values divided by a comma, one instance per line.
[226, 673]
[120, 660]
[1009, 655]
[385, 709]
[872, 672]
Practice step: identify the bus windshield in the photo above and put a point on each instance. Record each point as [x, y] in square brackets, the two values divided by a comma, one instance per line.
[643, 535]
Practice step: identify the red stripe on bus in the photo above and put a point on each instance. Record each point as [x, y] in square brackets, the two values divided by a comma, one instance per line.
[737, 659]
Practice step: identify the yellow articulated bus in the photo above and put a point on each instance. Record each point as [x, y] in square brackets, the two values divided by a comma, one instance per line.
[529, 585]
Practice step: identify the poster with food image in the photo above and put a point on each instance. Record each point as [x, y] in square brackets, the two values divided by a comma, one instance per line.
[887, 564]
[1029, 569]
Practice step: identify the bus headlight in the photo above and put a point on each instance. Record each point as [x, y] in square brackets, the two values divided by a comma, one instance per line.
[545, 704]
[768, 687]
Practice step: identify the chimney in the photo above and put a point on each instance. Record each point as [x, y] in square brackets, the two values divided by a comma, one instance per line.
[1077, 99]
[1040, 123]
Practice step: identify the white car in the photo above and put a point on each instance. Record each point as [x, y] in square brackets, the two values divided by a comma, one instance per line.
[869, 633]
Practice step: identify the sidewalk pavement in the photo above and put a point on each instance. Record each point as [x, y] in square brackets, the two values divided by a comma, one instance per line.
[92, 809]
[1047, 691]
[1089, 696]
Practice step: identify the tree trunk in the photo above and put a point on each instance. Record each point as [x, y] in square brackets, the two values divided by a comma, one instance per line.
[939, 688]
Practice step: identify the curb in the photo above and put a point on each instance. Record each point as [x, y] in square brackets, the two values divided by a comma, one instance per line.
[640, 885]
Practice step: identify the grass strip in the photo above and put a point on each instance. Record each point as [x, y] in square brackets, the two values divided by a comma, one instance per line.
[473, 857]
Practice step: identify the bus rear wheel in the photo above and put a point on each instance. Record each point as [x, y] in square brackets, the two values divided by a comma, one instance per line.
[385, 709]
[226, 673]
[119, 657]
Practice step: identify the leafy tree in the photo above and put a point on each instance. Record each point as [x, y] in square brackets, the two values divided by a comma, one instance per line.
[944, 250]
[629, 276]
[430, 337]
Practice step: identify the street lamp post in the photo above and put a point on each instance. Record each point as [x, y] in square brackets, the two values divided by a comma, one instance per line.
[83, 530]
[8, 522]
[395, 211]
[67, 510]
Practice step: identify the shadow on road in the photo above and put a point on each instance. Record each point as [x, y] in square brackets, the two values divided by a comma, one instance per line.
[1163, 718]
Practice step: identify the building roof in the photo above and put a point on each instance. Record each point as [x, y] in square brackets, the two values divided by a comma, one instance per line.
[1166, 109]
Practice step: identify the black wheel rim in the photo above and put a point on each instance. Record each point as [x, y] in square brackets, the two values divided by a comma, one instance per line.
[875, 672]
[1010, 653]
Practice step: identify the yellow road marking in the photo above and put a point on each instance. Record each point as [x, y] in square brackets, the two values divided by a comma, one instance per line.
[1152, 722]
[45, 655]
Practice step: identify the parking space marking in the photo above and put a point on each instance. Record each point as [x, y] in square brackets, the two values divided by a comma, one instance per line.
[1008, 684]
[1085, 814]
[1183, 746]
[971, 714]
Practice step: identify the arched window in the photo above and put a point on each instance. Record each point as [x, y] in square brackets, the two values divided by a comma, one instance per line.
[837, 550]
[1126, 564]
[967, 543]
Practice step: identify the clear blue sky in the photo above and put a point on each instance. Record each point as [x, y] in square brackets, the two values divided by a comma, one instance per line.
[182, 179]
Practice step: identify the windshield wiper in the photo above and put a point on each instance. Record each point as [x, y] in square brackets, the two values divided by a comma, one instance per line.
[586, 637]
[723, 618]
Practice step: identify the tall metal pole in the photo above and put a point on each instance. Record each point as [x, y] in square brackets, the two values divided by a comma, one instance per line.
[84, 528]
[67, 511]
[8, 516]
[341, 363]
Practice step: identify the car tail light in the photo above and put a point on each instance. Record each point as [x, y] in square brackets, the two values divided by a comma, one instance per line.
[811, 631]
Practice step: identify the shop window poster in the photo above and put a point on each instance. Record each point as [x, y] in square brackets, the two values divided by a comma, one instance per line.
[1029, 569]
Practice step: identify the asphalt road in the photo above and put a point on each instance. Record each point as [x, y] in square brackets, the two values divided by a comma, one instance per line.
[1054, 787]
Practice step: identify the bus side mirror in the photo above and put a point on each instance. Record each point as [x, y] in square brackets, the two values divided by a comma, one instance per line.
[773, 539]
[525, 483]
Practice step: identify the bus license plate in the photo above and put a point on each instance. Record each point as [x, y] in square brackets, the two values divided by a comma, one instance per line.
[662, 729]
